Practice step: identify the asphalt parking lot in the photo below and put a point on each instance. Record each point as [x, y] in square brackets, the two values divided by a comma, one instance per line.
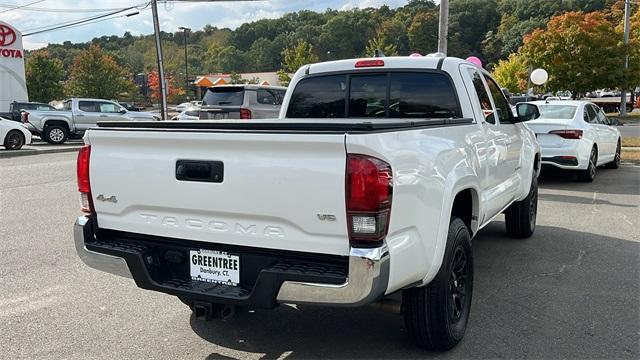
[571, 291]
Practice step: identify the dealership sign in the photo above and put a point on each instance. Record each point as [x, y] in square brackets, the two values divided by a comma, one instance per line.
[8, 37]
[13, 86]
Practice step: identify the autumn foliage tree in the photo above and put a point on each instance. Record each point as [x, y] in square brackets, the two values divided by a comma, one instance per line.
[174, 93]
[96, 74]
[581, 52]
[512, 73]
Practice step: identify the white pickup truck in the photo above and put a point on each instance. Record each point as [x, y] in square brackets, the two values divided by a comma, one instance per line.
[76, 117]
[368, 188]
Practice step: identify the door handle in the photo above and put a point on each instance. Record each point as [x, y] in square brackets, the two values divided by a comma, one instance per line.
[79, 115]
[103, 116]
[196, 170]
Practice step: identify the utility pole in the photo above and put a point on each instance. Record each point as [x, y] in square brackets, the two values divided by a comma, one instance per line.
[161, 80]
[443, 27]
[186, 30]
[623, 93]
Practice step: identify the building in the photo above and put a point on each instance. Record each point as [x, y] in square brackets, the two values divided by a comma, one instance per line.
[202, 82]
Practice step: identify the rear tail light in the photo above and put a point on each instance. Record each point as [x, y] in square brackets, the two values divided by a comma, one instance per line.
[24, 117]
[369, 63]
[84, 186]
[245, 114]
[568, 134]
[369, 192]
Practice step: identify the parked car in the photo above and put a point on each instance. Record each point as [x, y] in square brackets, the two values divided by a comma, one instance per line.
[242, 102]
[192, 114]
[15, 108]
[130, 106]
[189, 105]
[576, 135]
[77, 116]
[370, 184]
[13, 135]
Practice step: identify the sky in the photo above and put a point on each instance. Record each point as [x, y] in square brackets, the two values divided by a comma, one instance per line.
[194, 15]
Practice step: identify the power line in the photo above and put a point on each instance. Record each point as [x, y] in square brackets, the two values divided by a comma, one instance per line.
[21, 6]
[88, 22]
[26, 7]
[79, 22]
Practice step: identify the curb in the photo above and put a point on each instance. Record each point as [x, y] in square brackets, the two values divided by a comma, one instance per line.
[27, 152]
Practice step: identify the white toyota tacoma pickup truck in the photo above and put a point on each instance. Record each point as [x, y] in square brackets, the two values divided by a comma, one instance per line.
[369, 187]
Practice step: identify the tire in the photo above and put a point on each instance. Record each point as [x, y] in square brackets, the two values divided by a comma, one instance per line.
[616, 159]
[590, 173]
[55, 134]
[436, 315]
[520, 217]
[14, 140]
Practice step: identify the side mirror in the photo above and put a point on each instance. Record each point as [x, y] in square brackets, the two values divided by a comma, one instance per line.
[527, 112]
[122, 111]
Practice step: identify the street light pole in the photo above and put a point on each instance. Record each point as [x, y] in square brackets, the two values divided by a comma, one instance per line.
[185, 31]
[161, 80]
[443, 27]
[623, 93]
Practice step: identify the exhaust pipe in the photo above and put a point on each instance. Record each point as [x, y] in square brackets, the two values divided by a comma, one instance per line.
[208, 311]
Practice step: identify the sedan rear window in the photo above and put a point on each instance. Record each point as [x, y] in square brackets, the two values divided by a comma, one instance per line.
[561, 112]
[224, 95]
[379, 94]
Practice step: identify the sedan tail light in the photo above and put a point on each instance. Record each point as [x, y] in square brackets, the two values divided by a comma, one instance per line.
[369, 191]
[84, 186]
[568, 134]
[245, 114]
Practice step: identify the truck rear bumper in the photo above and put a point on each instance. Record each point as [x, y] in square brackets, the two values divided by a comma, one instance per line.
[365, 282]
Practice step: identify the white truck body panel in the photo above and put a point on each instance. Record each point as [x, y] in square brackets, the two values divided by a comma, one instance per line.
[277, 183]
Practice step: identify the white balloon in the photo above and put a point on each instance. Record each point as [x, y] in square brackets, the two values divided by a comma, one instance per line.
[539, 76]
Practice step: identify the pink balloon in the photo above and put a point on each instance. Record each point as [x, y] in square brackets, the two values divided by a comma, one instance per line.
[475, 61]
[415, 55]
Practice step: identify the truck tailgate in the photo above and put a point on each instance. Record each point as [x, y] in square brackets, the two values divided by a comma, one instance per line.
[269, 190]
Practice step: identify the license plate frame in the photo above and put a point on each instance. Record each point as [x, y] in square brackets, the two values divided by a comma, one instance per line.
[214, 266]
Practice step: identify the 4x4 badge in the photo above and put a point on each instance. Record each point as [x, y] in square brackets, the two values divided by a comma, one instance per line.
[111, 198]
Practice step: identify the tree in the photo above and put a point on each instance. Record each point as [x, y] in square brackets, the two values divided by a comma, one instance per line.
[512, 73]
[581, 52]
[44, 77]
[423, 33]
[97, 74]
[379, 43]
[174, 92]
[294, 58]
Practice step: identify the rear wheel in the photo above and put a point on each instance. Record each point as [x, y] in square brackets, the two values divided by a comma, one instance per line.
[55, 134]
[520, 217]
[14, 140]
[616, 159]
[590, 173]
[436, 315]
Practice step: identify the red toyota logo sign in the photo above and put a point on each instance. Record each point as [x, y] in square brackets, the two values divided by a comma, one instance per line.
[7, 35]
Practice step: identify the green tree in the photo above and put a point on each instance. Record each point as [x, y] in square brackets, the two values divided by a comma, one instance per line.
[581, 52]
[512, 73]
[423, 33]
[294, 58]
[379, 43]
[44, 77]
[97, 74]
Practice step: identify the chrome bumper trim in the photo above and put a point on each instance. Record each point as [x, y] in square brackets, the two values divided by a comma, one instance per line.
[111, 264]
[367, 281]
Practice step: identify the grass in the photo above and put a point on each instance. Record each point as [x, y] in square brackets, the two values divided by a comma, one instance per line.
[633, 141]
[630, 155]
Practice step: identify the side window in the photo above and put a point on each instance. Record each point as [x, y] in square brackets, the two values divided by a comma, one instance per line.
[483, 96]
[266, 97]
[590, 115]
[502, 105]
[88, 106]
[107, 107]
[67, 105]
[602, 118]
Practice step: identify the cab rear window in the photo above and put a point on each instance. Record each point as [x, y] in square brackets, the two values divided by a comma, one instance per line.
[380, 94]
